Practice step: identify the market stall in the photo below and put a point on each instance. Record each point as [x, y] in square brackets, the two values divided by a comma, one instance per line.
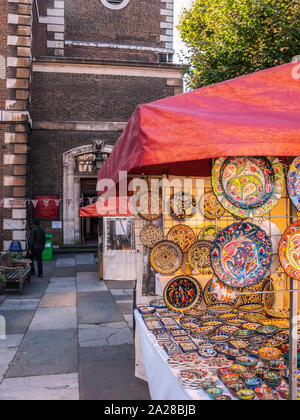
[116, 241]
[217, 267]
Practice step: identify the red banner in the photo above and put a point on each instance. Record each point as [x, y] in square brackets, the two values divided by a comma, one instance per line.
[46, 207]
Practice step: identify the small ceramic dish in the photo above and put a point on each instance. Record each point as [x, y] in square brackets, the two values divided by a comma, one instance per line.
[238, 369]
[262, 391]
[245, 394]
[214, 391]
[253, 382]
[208, 383]
[243, 334]
[230, 378]
[267, 330]
[207, 352]
[249, 362]
[219, 338]
[269, 353]
[222, 398]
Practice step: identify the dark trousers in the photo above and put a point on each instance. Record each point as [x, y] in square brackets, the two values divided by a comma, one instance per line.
[37, 254]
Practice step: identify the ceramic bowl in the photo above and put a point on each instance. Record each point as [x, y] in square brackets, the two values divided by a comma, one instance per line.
[238, 369]
[207, 352]
[214, 391]
[272, 379]
[245, 394]
[247, 361]
[222, 398]
[274, 364]
[230, 378]
[219, 338]
[269, 353]
[243, 333]
[267, 330]
[208, 383]
[253, 383]
[262, 391]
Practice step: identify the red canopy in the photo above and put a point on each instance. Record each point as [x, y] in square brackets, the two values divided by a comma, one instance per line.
[112, 207]
[256, 114]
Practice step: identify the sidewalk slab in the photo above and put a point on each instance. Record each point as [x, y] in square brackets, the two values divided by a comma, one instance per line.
[50, 352]
[11, 340]
[116, 333]
[65, 262]
[106, 353]
[120, 284]
[97, 308]
[6, 357]
[50, 387]
[89, 282]
[54, 319]
[58, 300]
[111, 380]
[87, 259]
[17, 322]
[20, 304]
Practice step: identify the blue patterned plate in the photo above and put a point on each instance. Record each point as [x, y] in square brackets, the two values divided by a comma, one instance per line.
[293, 182]
[241, 255]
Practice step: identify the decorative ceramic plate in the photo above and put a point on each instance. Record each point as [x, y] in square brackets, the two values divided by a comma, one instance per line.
[289, 251]
[150, 235]
[265, 299]
[248, 186]
[293, 182]
[182, 206]
[166, 257]
[220, 308]
[210, 207]
[251, 307]
[210, 297]
[209, 233]
[158, 303]
[183, 235]
[278, 313]
[182, 293]
[149, 205]
[269, 353]
[199, 254]
[241, 255]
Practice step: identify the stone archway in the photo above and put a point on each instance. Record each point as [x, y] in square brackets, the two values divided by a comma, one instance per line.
[71, 191]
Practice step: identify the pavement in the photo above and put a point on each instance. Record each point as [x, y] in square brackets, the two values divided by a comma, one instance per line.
[69, 336]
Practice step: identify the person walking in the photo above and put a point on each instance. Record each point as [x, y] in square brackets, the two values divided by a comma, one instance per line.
[37, 240]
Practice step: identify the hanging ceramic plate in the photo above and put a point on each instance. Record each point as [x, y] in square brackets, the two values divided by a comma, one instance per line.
[199, 254]
[149, 205]
[182, 206]
[166, 257]
[211, 290]
[266, 299]
[289, 251]
[209, 233]
[150, 235]
[241, 255]
[209, 206]
[293, 182]
[183, 235]
[248, 186]
[183, 293]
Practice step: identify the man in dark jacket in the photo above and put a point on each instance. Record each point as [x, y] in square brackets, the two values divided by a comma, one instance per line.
[36, 245]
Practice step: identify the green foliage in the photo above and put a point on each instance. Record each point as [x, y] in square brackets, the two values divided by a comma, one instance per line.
[230, 38]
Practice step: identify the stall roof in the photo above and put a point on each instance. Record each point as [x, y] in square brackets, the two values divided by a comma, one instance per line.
[256, 114]
[112, 207]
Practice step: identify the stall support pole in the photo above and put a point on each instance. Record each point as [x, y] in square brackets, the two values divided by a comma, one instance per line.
[293, 340]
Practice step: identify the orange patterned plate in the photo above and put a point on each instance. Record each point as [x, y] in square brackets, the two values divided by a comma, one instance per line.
[183, 235]
[289, 251]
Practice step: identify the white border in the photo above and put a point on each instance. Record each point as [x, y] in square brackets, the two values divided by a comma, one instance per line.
[116, 6]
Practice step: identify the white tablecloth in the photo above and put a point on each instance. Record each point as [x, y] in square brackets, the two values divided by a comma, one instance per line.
[162, 379]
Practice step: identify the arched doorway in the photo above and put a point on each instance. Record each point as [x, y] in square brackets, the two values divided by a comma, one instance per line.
[79, 170]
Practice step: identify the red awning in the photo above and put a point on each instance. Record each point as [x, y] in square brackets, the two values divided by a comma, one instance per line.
[256, 114]
[112, 207]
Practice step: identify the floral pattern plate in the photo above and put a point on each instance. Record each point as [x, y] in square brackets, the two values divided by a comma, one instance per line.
[209, 233]
[241, 255]
[149, 205]
[248, 186]
[293, 182]
[182, 293]
[151, 234]
[182, 206]
[210, 293]
[166, 257]
[183, 235]
[199, 254]
[289, 251]
[210, 207]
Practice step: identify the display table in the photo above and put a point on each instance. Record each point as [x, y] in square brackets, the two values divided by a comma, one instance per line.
[162, 379]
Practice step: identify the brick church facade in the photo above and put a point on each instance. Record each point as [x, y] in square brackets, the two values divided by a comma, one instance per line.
[71, 74]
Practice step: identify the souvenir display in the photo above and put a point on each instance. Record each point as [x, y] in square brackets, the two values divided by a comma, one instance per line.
[150, 235]
[209, 233]
[182, 293]
[182, 361]
[166, 257]
[182, 206]
[289, 251]
[293, 182]
[183, 235]
[215, 363]
[168, 321]
[149, 205]
[158, 303]
[199, 254]
[241, 255]
[210, 207]
[268, 299]
[248, 186]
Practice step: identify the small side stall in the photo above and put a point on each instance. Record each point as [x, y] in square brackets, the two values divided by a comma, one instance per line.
[218, 260]
[116, 239]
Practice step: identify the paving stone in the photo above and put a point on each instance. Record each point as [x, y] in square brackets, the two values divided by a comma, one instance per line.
[101, 353]
[89, 282]
[62, 281]
[97, 308]
[49, 387]
[58, 300]
[104, 334]
[66, 262]
[64, 272]
[33, 290]
[17, 322]
[129, 319]
[6, 357]
[61, 285]
[20, 304]
[88, 267]
[119, 383]
[126, 307]
[122, 292]
[87, 259]
[120, 284]
[50, 352]
[54, 318]
[11, 340]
